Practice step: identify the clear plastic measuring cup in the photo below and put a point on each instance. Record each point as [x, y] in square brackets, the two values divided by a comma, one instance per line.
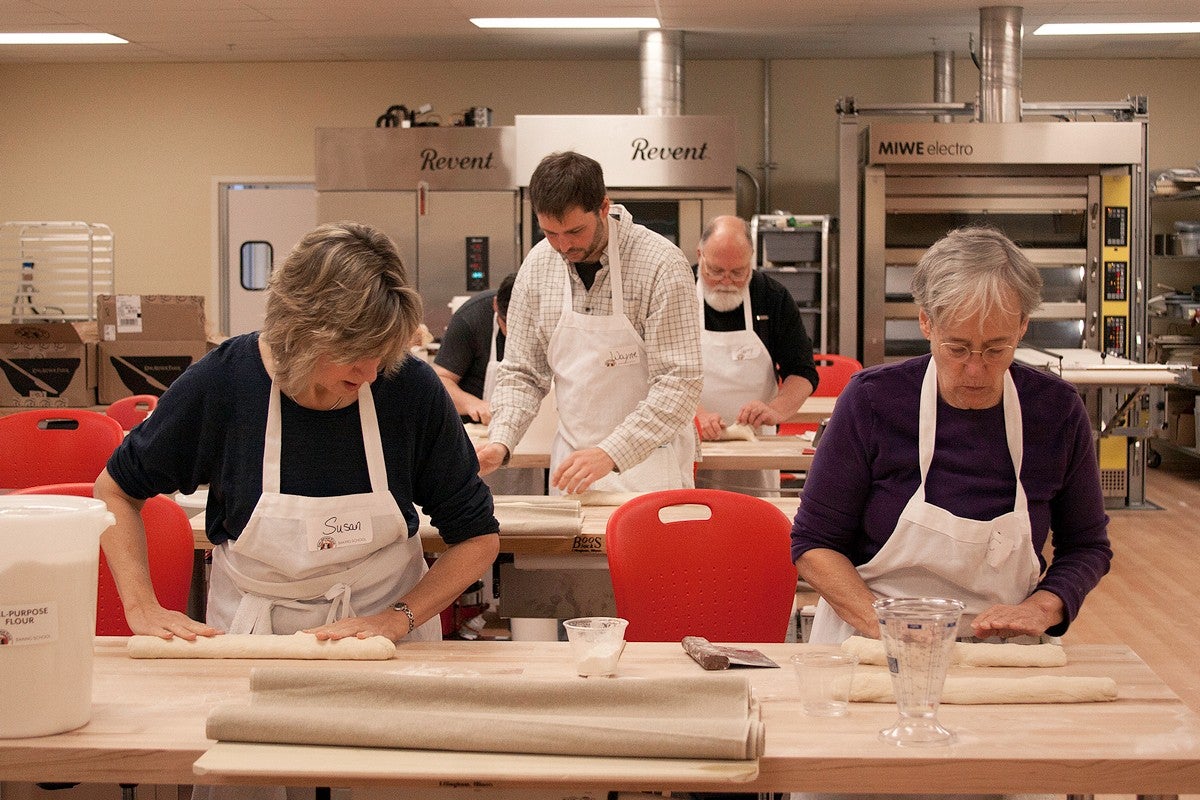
[918, 634]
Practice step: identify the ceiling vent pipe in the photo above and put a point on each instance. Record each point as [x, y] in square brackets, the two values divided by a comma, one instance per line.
[943, 81]
[661, 62]
[1000, 64]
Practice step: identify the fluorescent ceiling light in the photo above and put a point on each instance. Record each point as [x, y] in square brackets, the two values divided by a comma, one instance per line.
[565, 22]
[60, 38]
[1115, 28]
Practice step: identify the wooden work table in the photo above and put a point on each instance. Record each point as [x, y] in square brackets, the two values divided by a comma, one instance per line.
[552, 541]
[149, 717]
[768, 452]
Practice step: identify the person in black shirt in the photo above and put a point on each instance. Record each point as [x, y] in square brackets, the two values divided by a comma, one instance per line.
[472, 346]
[758, 359]
[317, 438]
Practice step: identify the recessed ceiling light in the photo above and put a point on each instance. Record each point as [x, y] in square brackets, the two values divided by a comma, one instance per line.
[1114, 28]
[60, 38]
[565, 22]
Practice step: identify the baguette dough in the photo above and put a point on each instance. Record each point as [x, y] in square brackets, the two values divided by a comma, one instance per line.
[738, 431]
[970, 654]
[236, 645]
[876, 687]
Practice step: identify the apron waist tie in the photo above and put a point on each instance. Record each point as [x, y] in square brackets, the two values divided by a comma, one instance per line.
[253, 615]
[339, 603]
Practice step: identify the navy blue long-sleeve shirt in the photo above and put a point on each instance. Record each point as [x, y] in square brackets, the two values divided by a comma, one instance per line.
[209, 428]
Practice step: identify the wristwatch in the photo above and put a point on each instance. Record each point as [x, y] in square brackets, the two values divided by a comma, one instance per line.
[412, 620]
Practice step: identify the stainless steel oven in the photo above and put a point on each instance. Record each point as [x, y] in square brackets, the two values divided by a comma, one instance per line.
[1072, 195]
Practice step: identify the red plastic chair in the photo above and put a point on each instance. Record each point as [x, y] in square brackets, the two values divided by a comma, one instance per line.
[728, 578]
[55, 445]
[169, 548]
[130, 411]
[834, 372]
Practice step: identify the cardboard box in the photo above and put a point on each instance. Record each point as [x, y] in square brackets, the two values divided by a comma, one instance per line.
[146, 342]
[1185, 430]
[44, 365]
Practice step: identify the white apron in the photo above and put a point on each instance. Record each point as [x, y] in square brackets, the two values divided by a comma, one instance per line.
[493, 364]
[738, 369]
[302, 562]
[980, 562]
[508, 481]
[600, 376]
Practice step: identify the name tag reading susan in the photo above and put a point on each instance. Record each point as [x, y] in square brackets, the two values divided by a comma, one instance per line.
[622, 358]
[343, 530]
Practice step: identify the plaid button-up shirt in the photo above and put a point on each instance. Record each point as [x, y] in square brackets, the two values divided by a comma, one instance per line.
[660, 301]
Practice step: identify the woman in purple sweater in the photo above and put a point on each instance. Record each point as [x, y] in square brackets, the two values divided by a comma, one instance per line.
[914, 490]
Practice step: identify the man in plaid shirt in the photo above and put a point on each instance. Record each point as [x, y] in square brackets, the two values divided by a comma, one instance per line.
[606, 309]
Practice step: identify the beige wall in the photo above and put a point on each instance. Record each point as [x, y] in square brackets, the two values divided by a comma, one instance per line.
[137, 146]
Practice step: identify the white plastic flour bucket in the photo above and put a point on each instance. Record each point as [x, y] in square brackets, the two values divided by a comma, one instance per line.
[49, 562]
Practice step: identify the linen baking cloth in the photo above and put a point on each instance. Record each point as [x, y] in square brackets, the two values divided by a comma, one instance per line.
[876, 687]
[970, 654]
[709, 717]
[237, 645]
[529, 515]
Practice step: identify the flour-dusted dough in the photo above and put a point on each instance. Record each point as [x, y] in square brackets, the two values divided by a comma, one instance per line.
[738, 431]
[988, 654]
[876, 687]
[236, 645]
[971, 654]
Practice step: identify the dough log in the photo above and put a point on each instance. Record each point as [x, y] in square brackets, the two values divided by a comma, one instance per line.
[233, 645]
[971, 654]
[876, 687]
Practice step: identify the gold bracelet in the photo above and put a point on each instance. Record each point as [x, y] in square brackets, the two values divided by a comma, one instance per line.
[412, 620]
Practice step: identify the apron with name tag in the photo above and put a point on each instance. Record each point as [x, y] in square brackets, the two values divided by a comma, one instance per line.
[933, 553]
[600, 376]
[738, 369]
[302, 562]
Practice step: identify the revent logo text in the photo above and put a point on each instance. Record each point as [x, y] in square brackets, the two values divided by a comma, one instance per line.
[432, 161]
[935, 148]
[642, 151]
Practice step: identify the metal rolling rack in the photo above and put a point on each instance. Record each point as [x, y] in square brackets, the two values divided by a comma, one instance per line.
[1173, 335]
[52, 271]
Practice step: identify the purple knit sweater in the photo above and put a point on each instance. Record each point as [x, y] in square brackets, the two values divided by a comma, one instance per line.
[866, 470]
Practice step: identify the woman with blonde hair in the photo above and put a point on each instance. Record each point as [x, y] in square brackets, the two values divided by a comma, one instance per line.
[316, 438]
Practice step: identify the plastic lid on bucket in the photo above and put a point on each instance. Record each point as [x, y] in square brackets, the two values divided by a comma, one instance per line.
[52, 522]
[39, 505]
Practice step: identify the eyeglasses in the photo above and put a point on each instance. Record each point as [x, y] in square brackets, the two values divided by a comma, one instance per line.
[961, 353]
[716, 275]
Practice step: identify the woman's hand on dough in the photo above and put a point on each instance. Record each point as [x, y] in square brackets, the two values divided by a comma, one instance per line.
[1031, 617]
[392, 624]
[166, 624]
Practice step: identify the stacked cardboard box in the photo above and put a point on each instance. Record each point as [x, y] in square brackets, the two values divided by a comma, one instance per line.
[146, 342]
[47, 365]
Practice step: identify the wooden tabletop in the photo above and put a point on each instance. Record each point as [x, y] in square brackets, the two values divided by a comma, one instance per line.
[148, 727]
[554, 540]
[814, 409]
[768, 452]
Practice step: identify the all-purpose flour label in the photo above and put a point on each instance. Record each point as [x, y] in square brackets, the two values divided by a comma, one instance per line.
[28, 624]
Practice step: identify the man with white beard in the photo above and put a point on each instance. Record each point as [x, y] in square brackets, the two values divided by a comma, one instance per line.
[758, 359]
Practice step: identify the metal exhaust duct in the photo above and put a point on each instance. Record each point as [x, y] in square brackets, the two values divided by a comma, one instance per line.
[943, 81]
[1000, 64]
[661, 62]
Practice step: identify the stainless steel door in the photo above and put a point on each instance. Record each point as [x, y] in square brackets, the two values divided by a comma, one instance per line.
[262, 222]
[454, 223]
